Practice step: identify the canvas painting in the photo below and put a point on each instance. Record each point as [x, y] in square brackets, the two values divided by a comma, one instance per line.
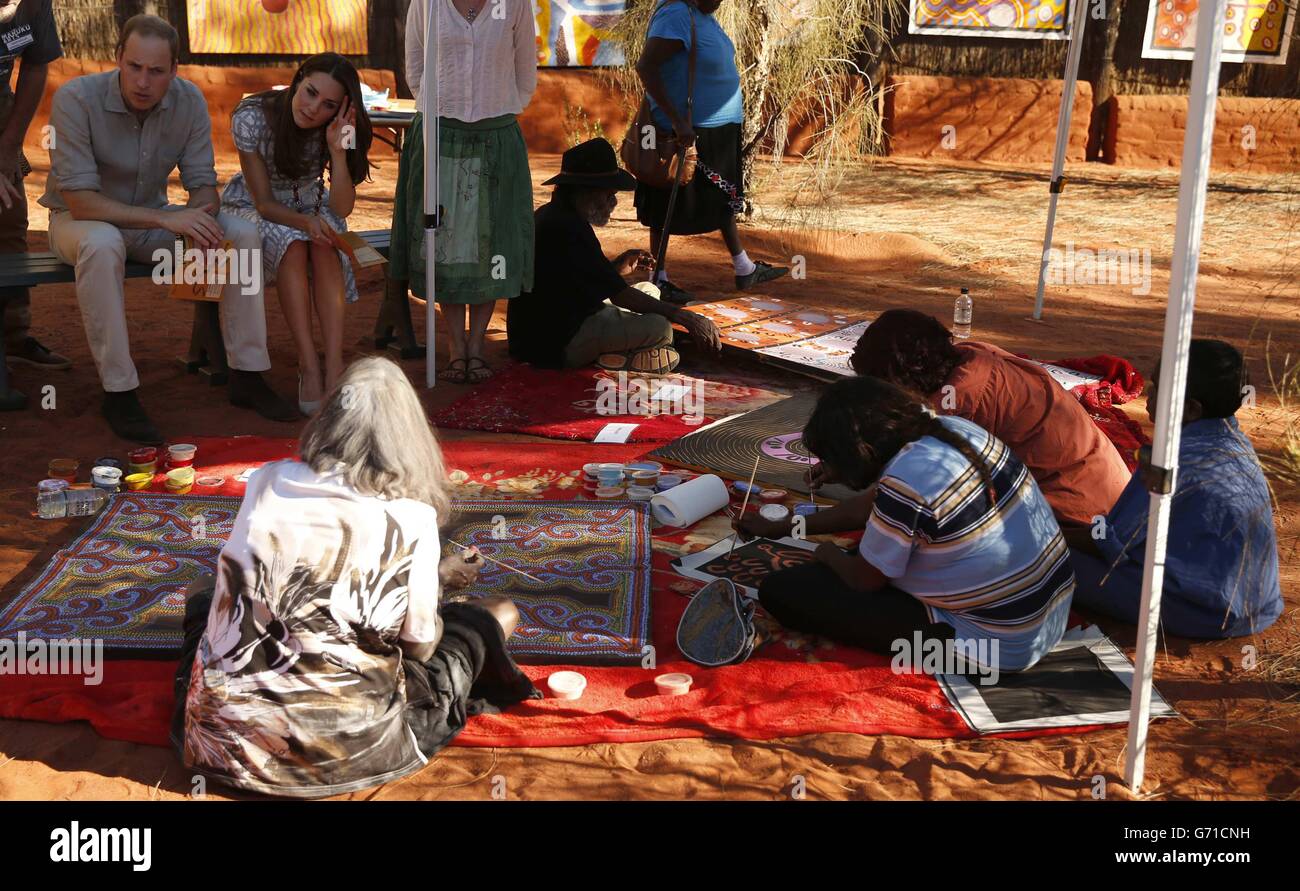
[772, 434]
[1024, 19]
[304, 28]
[1253, 30]
[824, 356]
[748, 563]
[576, 33]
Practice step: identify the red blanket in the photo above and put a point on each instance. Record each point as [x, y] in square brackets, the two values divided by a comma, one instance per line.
[577, 403]
[1120, 382]
[794, 685]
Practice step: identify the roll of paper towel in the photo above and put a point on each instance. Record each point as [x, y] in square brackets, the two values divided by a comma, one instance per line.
[690, 502]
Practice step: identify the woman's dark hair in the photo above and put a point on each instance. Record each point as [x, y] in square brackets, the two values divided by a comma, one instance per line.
[908, 348]
[290, 146]
[861, 423]
[1216, 376]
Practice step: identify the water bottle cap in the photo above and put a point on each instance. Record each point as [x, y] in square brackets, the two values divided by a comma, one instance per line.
[965, 290]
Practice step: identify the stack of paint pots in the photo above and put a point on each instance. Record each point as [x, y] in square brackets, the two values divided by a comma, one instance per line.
[180, 472]
[642, 479]
[141, 469]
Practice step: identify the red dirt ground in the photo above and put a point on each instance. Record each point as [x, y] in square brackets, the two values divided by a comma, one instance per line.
[917, 231]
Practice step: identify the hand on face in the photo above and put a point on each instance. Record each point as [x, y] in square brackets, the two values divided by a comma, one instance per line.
[343, 125]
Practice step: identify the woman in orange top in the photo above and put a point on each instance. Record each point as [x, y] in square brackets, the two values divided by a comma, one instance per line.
[1077, 468]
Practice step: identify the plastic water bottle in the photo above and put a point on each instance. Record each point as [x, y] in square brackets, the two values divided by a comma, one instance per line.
[54, 503]
[961, 314]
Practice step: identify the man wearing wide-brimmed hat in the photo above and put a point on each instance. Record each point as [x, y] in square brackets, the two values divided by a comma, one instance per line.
[567, 320]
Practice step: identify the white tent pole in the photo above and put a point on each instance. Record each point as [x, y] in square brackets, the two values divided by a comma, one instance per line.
[429, 101]
[1197, 144]
[1062, 139]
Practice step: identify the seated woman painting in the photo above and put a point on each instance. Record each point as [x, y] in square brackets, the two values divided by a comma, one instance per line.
[959, 543]
[319, 661]
[287, 140]
[1079, 470]
[1221, 574]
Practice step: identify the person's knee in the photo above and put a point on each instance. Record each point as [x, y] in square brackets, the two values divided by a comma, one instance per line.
[243, 233]
[101, 242]
[505, 612]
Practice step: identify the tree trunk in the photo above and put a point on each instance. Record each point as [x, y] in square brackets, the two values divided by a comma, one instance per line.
[1103, 82]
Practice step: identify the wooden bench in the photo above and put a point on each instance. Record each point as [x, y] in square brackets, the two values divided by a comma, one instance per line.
[207, 351]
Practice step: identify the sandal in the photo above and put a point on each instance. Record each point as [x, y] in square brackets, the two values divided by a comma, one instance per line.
[453, 374]
[477, 374]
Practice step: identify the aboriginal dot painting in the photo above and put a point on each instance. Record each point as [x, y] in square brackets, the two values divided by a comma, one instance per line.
[1026, 19]
[1253, 30]
[773, 433]
[589, 599]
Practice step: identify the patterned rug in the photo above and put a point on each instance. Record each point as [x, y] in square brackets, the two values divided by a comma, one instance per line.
[122, 580]
[589, 599]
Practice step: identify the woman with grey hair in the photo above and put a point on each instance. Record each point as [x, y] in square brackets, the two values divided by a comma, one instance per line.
[319, 660]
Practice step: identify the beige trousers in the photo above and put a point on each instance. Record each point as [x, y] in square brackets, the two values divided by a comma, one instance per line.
[100, 251]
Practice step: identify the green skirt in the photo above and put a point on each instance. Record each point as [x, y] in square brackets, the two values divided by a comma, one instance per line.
[484, 249]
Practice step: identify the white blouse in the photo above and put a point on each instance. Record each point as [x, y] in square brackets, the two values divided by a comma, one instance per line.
[486, 68]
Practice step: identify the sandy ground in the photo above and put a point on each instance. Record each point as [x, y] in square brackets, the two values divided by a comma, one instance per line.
[905, 234]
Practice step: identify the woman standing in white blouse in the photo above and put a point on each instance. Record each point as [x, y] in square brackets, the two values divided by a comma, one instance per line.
[487, 72]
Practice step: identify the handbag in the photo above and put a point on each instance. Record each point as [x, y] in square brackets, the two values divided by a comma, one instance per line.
[718, 626]
[661, 163]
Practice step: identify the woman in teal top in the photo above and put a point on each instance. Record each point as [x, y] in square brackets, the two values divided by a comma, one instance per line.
[710, 202]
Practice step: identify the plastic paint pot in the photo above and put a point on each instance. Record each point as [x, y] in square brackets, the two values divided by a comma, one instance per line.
[610, 467]
[150, 468]
[644, 477]
[609, 478]
[181, 454]
[640, 493]
[137, 481]
[772, 496]
[609, 492]
[653, 466]
[566, 684]
[774, 512]
[147, 455]
[210, 482]
[111, 462]
[64, 469]
[668, 481]
[675, 684]
[107, 478]
[740, 488]
[180, 480]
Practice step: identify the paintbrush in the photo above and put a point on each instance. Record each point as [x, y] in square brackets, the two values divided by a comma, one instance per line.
[498, 562]
[745, 504]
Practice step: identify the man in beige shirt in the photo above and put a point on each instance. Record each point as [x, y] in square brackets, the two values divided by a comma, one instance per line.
[117, 138]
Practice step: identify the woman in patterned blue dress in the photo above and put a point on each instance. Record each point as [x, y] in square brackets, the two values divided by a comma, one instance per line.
[287, 139]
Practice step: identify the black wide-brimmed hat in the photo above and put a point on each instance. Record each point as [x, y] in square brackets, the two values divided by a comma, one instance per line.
[592, 164]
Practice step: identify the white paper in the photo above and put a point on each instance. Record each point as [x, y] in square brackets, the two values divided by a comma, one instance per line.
[615, 432]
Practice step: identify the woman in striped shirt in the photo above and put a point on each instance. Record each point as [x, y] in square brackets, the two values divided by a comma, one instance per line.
[959, 543]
